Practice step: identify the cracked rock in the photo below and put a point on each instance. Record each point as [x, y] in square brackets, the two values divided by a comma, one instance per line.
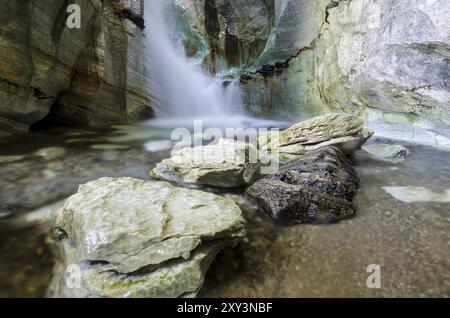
[347, 132]
[134, 238]
[226, 164]
[318, 188]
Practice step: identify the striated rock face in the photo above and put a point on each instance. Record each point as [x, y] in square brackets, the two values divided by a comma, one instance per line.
[226, 164]
[93, 75]
[133, 238]
[385, 54]
[375, 56]
[344, 131]
[318, 188]
[389, 56]
[223, 34]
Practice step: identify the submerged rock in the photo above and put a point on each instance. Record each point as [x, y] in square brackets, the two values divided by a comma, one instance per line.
[134, 238]
[344, 131]
[109, 147]
[410, 194]
[387, 152]
[95, 74]
[315, 189]
[9, 159]
[51, 153]
[158, 145]
[226, 164]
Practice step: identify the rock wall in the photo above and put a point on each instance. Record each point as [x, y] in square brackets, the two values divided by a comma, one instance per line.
[93, 75]
[389, 59]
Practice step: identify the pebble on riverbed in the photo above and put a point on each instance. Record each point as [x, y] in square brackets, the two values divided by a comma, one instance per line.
[50, 153]
[10, 159]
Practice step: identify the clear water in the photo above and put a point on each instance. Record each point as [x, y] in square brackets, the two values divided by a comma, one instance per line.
[409, 241]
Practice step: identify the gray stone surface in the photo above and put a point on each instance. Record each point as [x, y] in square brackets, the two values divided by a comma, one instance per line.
[386, 54]
[410, 194]
[134, 238]
[95, 74]
[50, 153]
[226, 164]
[346, 132]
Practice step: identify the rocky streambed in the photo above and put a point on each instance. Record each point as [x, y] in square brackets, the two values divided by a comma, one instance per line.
[408, 240]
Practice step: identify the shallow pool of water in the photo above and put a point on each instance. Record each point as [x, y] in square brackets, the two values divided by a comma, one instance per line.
[409, 241]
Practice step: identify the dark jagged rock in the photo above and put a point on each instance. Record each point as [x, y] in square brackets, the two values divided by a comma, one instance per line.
[282, 65]
[136, 19]
[267, 70]
[319, 188]
[245, 77]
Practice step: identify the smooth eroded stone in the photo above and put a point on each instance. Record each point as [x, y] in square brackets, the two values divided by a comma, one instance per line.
[410, 194]
[10, 159]
[94, 73]
[344, 131]
[226, 164]
[138, 238]
[158, 145]
[50, 153]
[318, 188]
[387, 152]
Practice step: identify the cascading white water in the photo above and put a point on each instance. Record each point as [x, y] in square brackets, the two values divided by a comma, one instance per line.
[180, 88]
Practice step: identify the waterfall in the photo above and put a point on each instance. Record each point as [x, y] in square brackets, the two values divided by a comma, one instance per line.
[181, 89]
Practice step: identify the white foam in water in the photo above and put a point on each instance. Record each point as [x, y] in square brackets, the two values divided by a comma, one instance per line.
[237, 121]
[182, 91]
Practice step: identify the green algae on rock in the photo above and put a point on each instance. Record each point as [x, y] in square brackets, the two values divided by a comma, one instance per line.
[134, 238]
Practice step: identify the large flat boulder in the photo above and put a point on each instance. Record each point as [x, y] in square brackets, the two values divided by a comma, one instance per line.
[318, 188]
[227, 164]
[344, 131]
[134, 238]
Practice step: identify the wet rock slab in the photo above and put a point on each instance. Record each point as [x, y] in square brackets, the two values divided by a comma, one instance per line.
[134, 238]
[347, 132]
[318, 188]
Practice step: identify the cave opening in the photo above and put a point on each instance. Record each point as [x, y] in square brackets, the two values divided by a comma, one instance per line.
[54, 119]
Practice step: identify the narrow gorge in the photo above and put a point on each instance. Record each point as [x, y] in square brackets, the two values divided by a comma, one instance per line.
[224, 148]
